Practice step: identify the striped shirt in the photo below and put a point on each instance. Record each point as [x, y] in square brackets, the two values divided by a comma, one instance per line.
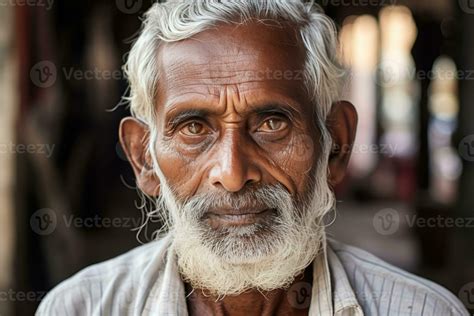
[346, 282]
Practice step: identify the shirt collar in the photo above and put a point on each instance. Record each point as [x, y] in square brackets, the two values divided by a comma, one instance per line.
[343, 296]
[331, 292]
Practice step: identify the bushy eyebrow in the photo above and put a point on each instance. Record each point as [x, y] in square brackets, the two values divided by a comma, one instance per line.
[186, 114]
[275, 108]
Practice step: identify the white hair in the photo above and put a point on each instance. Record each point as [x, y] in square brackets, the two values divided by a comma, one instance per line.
[277, 266]
[173, 21]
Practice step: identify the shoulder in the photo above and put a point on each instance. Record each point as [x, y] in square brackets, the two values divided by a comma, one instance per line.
[382, 288]
[108, 287]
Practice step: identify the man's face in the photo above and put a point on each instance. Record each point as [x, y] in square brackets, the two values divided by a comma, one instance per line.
[237, 151]
[233, 114]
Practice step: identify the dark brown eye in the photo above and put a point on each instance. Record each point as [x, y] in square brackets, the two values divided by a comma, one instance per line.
[193, 129]
[273, 125]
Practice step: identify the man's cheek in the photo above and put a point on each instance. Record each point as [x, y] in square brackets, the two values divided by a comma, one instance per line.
[294, 162]
[181, 174]
[296, 156]
[173, 166]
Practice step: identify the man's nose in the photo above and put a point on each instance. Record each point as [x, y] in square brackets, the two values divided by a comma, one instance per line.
[234, 167]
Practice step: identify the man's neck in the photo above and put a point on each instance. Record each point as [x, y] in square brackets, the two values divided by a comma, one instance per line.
[289, 301]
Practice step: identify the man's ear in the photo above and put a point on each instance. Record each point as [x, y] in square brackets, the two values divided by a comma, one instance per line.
[134, 138]
[342, 124]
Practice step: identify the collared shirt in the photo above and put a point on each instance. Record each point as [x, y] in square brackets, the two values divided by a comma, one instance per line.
[346, 282]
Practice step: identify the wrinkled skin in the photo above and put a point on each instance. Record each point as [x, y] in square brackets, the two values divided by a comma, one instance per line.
[232, 113]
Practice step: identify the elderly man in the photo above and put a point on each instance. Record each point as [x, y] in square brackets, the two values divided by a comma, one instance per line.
[236, 122]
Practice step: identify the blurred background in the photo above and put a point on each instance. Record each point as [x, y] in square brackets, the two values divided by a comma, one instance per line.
[67, 194]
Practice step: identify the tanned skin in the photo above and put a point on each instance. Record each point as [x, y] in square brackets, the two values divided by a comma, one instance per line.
[232, 109]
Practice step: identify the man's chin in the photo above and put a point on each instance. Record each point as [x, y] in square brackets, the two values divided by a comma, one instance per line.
[240, 259]
[248, 244]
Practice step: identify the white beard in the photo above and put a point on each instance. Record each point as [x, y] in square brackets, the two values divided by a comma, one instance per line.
[263, 256]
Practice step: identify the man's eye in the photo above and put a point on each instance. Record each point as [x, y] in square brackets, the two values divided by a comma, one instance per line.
[273, 125]
[193, 129]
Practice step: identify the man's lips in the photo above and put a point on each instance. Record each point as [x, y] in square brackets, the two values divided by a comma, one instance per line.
[242, 211]
[237, 217]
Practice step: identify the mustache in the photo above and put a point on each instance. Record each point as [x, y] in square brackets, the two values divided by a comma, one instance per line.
[257, 197]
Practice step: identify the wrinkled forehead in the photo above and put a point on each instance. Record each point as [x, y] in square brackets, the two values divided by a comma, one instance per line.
[254, 56]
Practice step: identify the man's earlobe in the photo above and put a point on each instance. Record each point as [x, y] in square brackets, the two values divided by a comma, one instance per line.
[134, 138]
[342, 124]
